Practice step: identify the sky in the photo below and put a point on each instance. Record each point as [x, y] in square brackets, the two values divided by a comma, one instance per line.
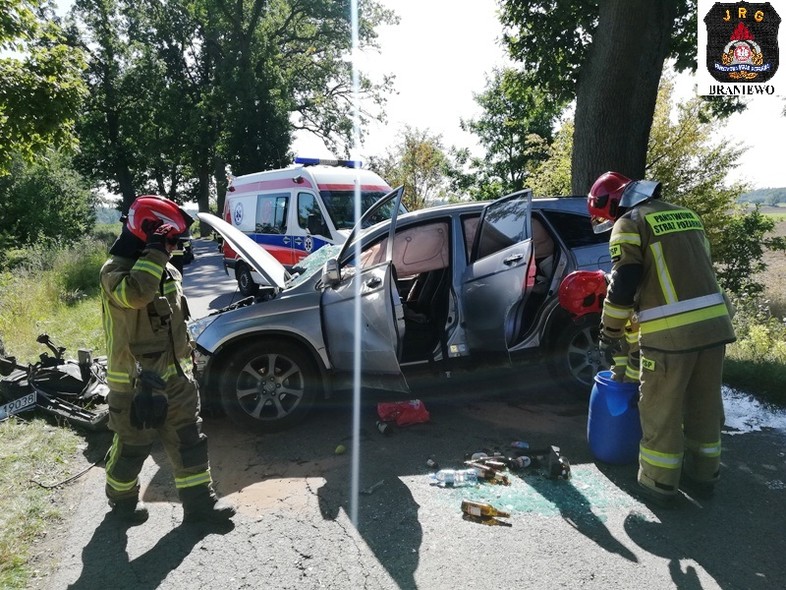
[443, 50]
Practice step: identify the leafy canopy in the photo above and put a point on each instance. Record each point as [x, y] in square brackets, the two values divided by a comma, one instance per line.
[41, 88]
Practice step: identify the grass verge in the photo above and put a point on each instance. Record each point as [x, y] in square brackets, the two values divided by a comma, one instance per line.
[30, 452]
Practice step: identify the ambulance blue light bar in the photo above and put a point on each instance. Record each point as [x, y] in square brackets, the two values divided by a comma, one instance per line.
[316, 161]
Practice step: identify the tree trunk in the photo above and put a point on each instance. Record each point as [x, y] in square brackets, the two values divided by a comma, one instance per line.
[220, 176]
[617, 89]
[203, 196]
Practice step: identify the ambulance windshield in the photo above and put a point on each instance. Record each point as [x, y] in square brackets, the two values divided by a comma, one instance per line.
[340, 206]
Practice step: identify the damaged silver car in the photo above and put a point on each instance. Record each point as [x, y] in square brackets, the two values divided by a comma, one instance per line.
[439, 287]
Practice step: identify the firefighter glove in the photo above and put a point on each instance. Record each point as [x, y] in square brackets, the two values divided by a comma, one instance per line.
[163, 238]
[609, 348]
[149, 406]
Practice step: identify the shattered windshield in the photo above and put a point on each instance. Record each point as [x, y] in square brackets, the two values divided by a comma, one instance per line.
[313, 263]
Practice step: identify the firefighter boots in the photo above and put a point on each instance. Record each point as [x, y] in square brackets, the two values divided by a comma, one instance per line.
[129, 511]
[701, 490]
[200, 504]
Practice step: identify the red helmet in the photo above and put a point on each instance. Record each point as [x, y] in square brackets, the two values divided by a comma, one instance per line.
[149, 211]
[604, 199]
[582, 292]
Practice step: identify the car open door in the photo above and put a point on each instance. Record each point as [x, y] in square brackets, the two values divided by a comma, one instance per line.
[373, 288]
[500, 274]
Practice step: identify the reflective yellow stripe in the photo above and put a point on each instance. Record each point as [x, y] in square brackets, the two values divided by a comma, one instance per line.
[680, 306]
[616, 311]
[191, 481]
[170, 287]
[710, 449]
[119, 486]
[632, 373]
[658, 459]
[684, 319]
[632, 337]
[150, 267]
[620, 360]
[118, 377]
[627, 238]
[664, 278]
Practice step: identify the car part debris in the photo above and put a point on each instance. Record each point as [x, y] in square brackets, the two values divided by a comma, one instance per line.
[73, 390]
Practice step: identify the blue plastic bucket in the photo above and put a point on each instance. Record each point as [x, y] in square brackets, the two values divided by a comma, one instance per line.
[613, 425]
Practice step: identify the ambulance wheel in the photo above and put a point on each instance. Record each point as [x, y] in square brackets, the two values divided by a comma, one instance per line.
[573, 359]
[245, 282]
[268, 386]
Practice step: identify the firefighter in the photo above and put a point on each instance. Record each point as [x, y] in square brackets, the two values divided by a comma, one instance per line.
[151, 390]
[582, 292]
[662, 272]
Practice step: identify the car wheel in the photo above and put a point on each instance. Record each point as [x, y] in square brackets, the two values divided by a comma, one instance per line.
[574, 359]
[245, 282]
[269, 386]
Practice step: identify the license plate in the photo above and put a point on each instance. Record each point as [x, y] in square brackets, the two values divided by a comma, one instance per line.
[18, 405]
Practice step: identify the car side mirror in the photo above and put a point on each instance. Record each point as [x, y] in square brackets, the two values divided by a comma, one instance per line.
[316, 225]
[330, 273]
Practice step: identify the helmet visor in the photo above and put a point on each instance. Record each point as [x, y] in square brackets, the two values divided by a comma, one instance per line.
[600, 224]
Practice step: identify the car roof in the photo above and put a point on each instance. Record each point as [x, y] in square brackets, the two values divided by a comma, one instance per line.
[571, 204]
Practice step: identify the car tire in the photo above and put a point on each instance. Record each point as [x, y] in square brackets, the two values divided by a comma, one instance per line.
[269, 386]
[573, 360]
[245, 282]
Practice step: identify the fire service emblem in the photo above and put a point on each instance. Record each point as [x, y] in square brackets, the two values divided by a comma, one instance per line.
[742, 42]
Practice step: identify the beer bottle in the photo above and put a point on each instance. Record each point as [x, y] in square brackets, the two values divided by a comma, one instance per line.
[481, 509]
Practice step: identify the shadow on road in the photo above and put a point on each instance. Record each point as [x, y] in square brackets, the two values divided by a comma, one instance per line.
[263, 472]
[105, 561]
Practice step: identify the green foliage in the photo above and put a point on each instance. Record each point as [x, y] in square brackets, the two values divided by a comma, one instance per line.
[41, 88]
[739, 252]
[55, 290]
[45, 201]
[691, 165]
[181, 90]
[515, 129]
[419, 163]
[757, 361]
[552, 176]
[31, 451]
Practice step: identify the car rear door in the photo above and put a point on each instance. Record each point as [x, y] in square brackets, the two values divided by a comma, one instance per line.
[500, 274]
[381, 312]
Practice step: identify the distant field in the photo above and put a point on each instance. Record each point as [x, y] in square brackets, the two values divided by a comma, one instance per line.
[775, 276]
[777, 212]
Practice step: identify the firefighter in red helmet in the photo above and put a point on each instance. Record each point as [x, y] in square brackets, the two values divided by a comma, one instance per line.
[662, 272]
[148, 352]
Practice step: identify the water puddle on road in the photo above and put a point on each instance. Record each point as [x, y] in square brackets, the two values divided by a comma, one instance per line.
[744, 413]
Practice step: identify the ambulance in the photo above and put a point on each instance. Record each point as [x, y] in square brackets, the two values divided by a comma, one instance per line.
[294, 211]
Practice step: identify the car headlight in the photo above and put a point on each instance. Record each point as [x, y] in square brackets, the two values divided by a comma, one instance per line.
[196, 327]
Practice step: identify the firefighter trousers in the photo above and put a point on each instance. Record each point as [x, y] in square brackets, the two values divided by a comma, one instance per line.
[681, 411]
[181, 436]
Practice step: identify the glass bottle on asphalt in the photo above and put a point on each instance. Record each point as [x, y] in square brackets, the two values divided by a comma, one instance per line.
[481, 509]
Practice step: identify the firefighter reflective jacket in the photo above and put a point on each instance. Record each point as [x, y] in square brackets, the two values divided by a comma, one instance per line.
[662, 271]
[144, 315]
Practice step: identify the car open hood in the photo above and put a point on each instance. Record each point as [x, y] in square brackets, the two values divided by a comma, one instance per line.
[255, 255]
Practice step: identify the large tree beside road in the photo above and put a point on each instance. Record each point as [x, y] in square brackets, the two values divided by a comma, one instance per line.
[182, 89]
[609, 54]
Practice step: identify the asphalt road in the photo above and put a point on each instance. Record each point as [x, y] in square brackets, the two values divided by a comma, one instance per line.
[293, 529]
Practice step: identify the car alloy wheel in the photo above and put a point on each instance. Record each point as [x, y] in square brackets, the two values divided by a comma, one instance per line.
[269, 386]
